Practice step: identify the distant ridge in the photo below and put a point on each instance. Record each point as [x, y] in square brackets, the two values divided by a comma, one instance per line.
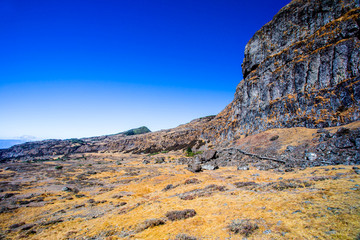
[136, 131]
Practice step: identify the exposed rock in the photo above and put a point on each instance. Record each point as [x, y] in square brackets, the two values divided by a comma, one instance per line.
[160, 160]
[209, 167]
[300, 69]
[311, 156]
[243, 168]
[343, 142]
[194, 167]
[209, 154]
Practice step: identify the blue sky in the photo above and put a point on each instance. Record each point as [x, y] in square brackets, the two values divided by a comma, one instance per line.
[85, 68]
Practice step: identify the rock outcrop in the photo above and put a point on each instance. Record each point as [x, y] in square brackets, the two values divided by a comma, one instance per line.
[300, 69]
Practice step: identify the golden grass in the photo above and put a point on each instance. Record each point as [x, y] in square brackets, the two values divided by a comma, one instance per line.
[274, 210]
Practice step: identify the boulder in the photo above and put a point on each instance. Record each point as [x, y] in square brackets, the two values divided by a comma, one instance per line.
[194, 167]
[311, 156]
[209, 154]
[209, 167]
[243, 168]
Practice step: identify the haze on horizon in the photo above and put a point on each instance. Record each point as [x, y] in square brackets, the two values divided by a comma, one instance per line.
[74, 69]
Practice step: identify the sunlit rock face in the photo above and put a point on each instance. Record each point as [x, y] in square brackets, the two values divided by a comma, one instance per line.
[300, 69]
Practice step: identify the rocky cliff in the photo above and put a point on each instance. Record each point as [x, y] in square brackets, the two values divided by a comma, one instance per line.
[300, 69]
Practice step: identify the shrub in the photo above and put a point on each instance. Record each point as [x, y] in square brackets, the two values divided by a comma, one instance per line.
[182, 236]
[149, 223]
[192, 181]
[243, 227]
[168, 187]
[178, 215]
[58, 167]
[244, 184]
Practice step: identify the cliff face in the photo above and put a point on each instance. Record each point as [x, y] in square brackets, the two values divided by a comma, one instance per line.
[300, 69]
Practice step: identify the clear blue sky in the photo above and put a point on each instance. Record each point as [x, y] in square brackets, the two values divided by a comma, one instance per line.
[75, 68]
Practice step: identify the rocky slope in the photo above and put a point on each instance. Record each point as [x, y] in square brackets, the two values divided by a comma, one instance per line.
[300, 70]
[181, 137]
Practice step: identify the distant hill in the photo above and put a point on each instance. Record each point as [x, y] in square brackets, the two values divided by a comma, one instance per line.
[136, 131]
[6, 143]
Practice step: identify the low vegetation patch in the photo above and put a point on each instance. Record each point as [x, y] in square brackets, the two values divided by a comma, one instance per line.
[179, 215]
[244, 227]
[150, 223]
[245, 184]
[190, 153]
[182, 236]
[204, 192]
[288, 184]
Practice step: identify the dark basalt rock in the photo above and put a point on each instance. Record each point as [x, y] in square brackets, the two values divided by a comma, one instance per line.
[302, 69]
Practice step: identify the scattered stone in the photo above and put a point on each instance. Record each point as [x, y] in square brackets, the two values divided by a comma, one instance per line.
[268, 231]
[273, 138]
[343, 143]
[244, 168]
[91, 201]
[117, 196]
[311, 156]
[331, 232]
[342, 131]
[194, 167]
[160, 160]
[120, 204]
[79, 205]
[80, 195]
[178, 215]
[168, 187]
[297, 211]
[290, 148]
[146, 161]
[67, 189]
[209, 154]
[209, 167]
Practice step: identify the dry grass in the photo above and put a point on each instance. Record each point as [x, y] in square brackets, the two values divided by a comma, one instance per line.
[317, 209]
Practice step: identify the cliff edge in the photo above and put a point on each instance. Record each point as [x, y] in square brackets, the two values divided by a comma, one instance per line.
[300, 70]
